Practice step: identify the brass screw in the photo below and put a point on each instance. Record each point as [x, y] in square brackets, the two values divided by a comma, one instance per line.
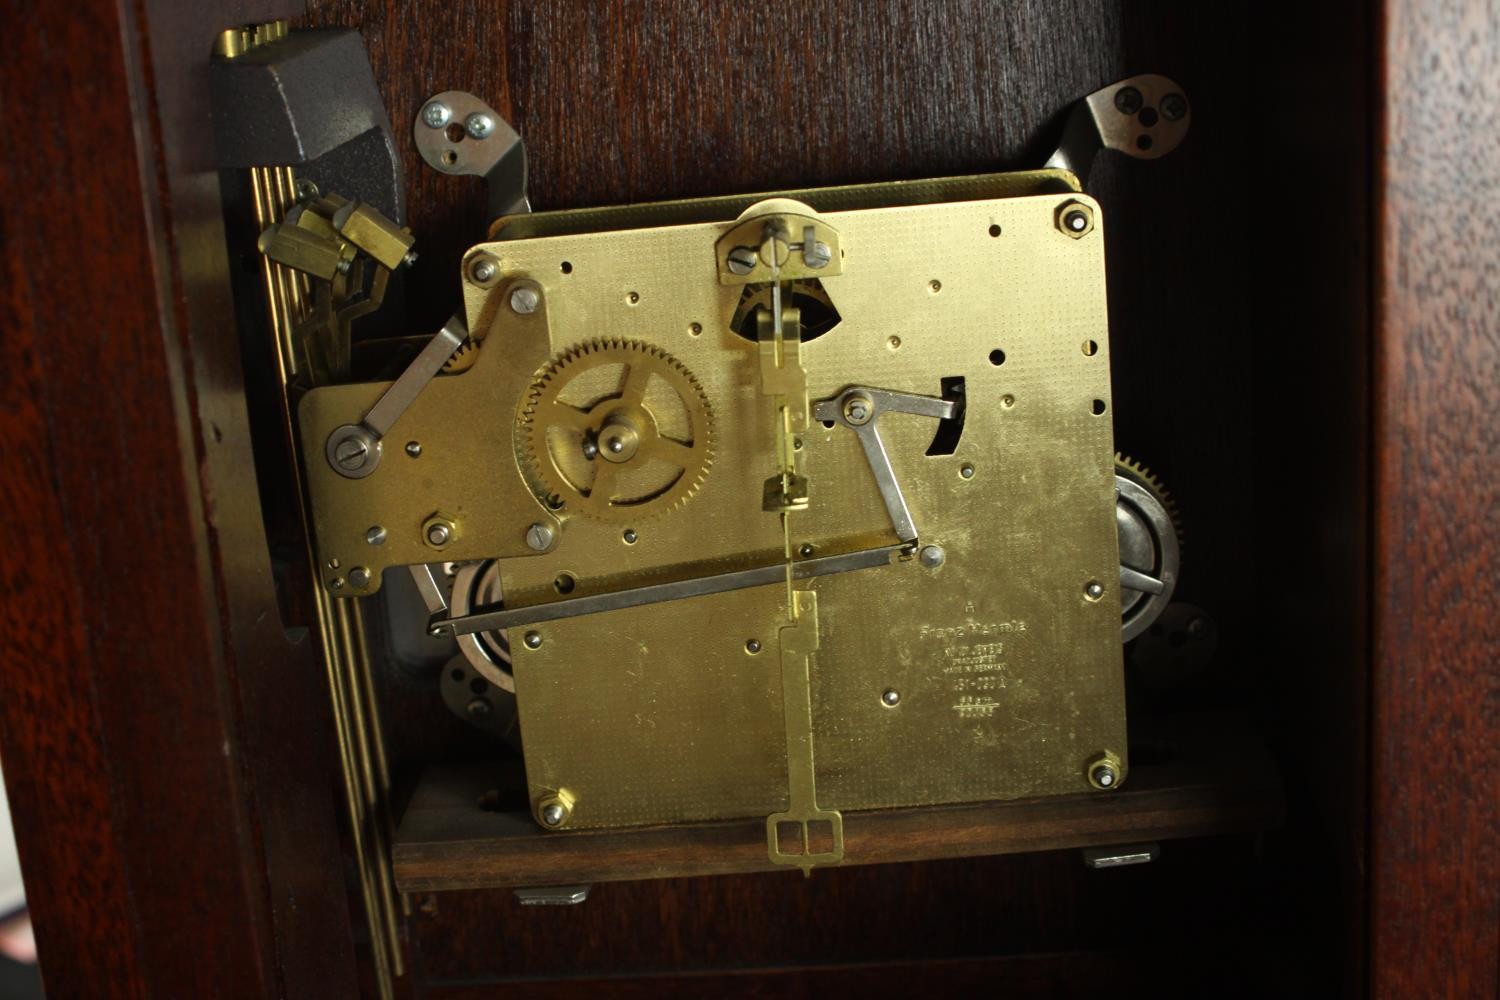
[752, 646]
[533, 640]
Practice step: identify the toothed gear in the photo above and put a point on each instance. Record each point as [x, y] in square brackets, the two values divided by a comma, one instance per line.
[1129, 467]
[1149, 536]
[463, 358]
[615, 429]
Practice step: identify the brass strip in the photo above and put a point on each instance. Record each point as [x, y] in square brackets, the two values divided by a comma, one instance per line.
[362, 753]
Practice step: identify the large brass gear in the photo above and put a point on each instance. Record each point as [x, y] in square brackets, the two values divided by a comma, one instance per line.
[615, 429]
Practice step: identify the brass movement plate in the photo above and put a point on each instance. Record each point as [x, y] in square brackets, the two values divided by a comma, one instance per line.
[1007, 673]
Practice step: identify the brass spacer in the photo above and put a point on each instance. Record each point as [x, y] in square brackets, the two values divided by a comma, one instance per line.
[1074, 219]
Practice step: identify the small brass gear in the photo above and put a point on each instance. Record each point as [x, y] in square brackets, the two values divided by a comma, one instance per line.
[1130, 468]
[463, 359]
[615, 429]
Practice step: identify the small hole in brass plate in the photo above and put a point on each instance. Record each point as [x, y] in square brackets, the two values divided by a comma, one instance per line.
[479, 685]
[1007, 401]
[994, 230]
[633, 298]
[450, 157]
[457, 674]
[567, 267]
[1097, 408]
[1143, 142]
[695, 328]
[1090, 348]
[934, 286]
[997, 357]
[564, 583]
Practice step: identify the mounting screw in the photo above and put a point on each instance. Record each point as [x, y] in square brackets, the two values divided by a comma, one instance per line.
[410, 258]
[350, 453]
[359, 576]
[1104, 772]
[806, 550]
[1174, 107]
[539, 537]
[533, 640]
[436, 114]
[1075, 219]
[629, 535]
[1128, 100]
[817, 256]
[966, 471]
[479, 708]
[752, 646]
[742, 260]
[479, 125]
[414, 449]
[353, 451]
[932, 556]
[376, 535]
[858, 409]
[590, 448]
[1093, 590]
[439, 531]
[524, 300]
[484, 269]
[891, 698]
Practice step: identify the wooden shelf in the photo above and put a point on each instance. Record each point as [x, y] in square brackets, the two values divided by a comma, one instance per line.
[1219, 780]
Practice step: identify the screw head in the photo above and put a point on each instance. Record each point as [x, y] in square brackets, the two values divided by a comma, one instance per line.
[1128, 100]
[932, 556]
[414, 449]
[484, 269]
[629, 535]
[858, 409]
[742, 260]
[1093, 590]
[439, 534]
[479, 708]
[806, 550]
[533, 640]
[350, 453]
[590, 449]
[553, 814]
[752, 646]
[436, 114]
[359, 576]
[891, 698]
[1197, 626]
[966, 471]
[376, 535]
[479, 125]
[817, 256]
[1076, 221]
[539, 537]
[1174, 107]
[525, 300]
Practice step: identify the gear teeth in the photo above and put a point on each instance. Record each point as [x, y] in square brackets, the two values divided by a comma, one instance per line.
[551, 378]
[1135, 470]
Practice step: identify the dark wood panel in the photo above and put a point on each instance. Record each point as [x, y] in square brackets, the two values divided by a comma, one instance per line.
[1435, 831]
[1219, 782]
[155, 795]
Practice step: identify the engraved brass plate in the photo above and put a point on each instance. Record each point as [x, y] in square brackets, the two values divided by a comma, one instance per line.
[993, 674]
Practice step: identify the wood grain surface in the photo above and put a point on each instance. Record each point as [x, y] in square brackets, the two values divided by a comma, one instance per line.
[1435, 828]
[177, 835]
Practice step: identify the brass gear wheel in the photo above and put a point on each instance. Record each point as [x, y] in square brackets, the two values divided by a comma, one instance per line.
[616, 429]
